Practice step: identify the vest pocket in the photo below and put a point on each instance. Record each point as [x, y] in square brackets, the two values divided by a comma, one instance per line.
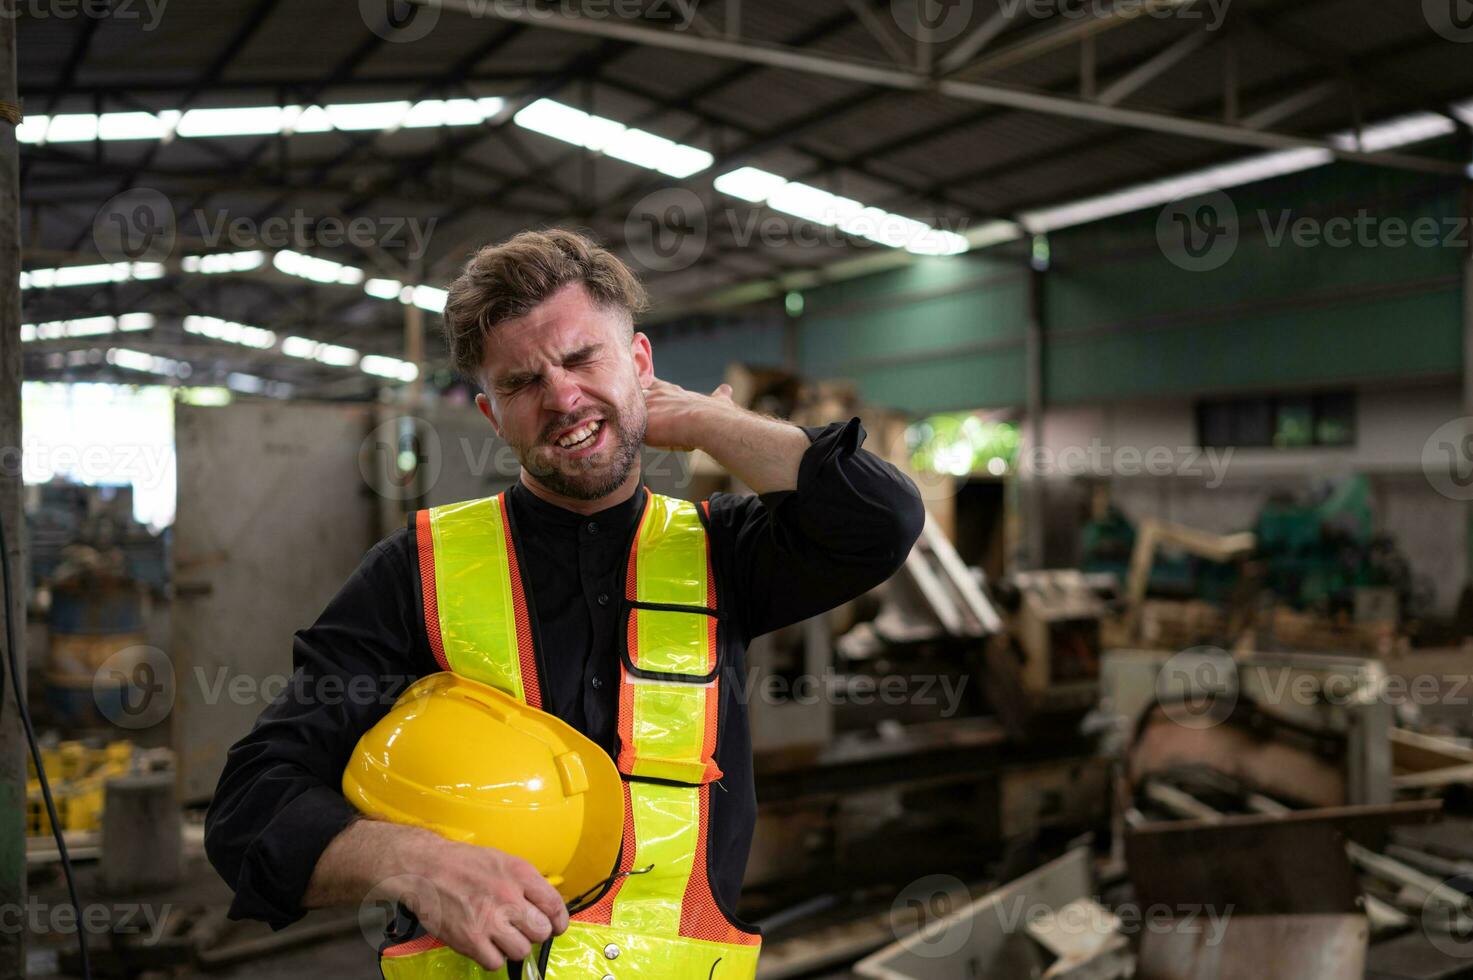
[670, 695]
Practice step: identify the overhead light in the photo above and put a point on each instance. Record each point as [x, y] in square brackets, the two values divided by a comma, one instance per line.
[89, 275]
[219, 262]
[268, 120]
[599, 134]
[316, 269]
[1389, 134]
[312, 350]
[210, 396]
[1260, 167]
[389, 367]
[429, 298]
[846, 214]
[383, 288]
[230, 332]
[993, 233]
[137, 360]
[1417, 127]
[91, 326]
[749, 184]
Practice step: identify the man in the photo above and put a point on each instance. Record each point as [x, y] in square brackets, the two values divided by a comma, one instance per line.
[545, 324]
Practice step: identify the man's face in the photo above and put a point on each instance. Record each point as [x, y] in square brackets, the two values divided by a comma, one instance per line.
[565, 387]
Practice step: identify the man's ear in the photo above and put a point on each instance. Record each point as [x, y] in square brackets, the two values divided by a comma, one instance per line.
[484, 404]
[644, 359]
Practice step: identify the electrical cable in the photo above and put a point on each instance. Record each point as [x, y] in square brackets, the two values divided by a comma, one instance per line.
[25, 720]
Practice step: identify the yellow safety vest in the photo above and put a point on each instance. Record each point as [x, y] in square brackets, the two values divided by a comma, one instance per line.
[660, 924]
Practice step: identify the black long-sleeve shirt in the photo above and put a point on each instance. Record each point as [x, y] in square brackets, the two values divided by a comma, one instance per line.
[779, 558]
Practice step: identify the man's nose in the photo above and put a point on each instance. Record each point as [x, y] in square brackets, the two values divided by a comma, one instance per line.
[561, 394]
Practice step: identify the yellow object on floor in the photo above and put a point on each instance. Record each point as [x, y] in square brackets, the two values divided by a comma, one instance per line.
[77, 775]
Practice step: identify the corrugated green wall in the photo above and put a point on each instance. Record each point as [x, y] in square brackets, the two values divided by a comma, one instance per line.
[1122, 321]
[942, 331]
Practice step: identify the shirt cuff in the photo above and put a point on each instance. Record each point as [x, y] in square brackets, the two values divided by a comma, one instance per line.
[279, 863]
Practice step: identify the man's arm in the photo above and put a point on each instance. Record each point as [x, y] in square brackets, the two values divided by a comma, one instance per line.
[846, 526]
[477, 900]
[830, 521]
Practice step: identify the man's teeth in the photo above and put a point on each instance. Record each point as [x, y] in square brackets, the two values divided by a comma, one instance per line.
[579, 434]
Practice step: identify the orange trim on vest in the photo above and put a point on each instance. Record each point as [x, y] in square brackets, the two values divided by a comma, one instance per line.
[625, 760]
[700, 916]
[424, 545]
[421, 945]
[601, 913]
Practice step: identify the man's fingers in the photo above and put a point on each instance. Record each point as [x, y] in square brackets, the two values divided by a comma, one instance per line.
[488, 956]
[723, 390]
[507, 935]
[545, 899]
[534, 924]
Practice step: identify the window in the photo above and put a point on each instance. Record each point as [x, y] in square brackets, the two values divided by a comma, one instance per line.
[1278, 422]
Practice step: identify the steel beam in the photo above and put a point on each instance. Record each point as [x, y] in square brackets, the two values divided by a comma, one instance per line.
[12, 745]
[869, 73]
[1153, 67]
[968, 47]
[1061, 33]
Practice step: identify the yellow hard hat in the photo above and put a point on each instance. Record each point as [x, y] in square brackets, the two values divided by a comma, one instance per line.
[475, 765]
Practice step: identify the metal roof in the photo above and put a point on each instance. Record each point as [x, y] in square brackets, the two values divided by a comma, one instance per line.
[1010, 104]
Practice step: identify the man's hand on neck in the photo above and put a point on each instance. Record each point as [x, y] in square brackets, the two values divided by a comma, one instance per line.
[760, 451]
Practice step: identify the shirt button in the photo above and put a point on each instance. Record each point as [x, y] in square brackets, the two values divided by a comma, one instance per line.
[603, 598]
[597, 683]
[592, 527]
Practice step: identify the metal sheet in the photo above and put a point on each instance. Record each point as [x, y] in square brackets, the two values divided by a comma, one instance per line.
[273, 515]
[988, 937]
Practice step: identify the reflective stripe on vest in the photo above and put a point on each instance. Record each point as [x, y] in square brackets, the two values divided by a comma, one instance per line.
[475, 607]
[664, 923]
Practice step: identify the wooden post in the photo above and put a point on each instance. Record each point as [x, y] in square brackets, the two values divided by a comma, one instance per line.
[12, 743]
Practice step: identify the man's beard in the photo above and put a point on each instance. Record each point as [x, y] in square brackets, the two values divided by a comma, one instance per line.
[589, 479]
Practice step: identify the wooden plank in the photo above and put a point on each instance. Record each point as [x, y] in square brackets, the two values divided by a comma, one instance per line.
[1434, 778]
[1415, 752]
[1352, 821]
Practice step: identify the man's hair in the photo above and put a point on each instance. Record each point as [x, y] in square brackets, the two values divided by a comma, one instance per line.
[505, 281]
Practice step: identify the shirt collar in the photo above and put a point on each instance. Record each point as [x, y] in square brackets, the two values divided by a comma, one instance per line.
[621, 515]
